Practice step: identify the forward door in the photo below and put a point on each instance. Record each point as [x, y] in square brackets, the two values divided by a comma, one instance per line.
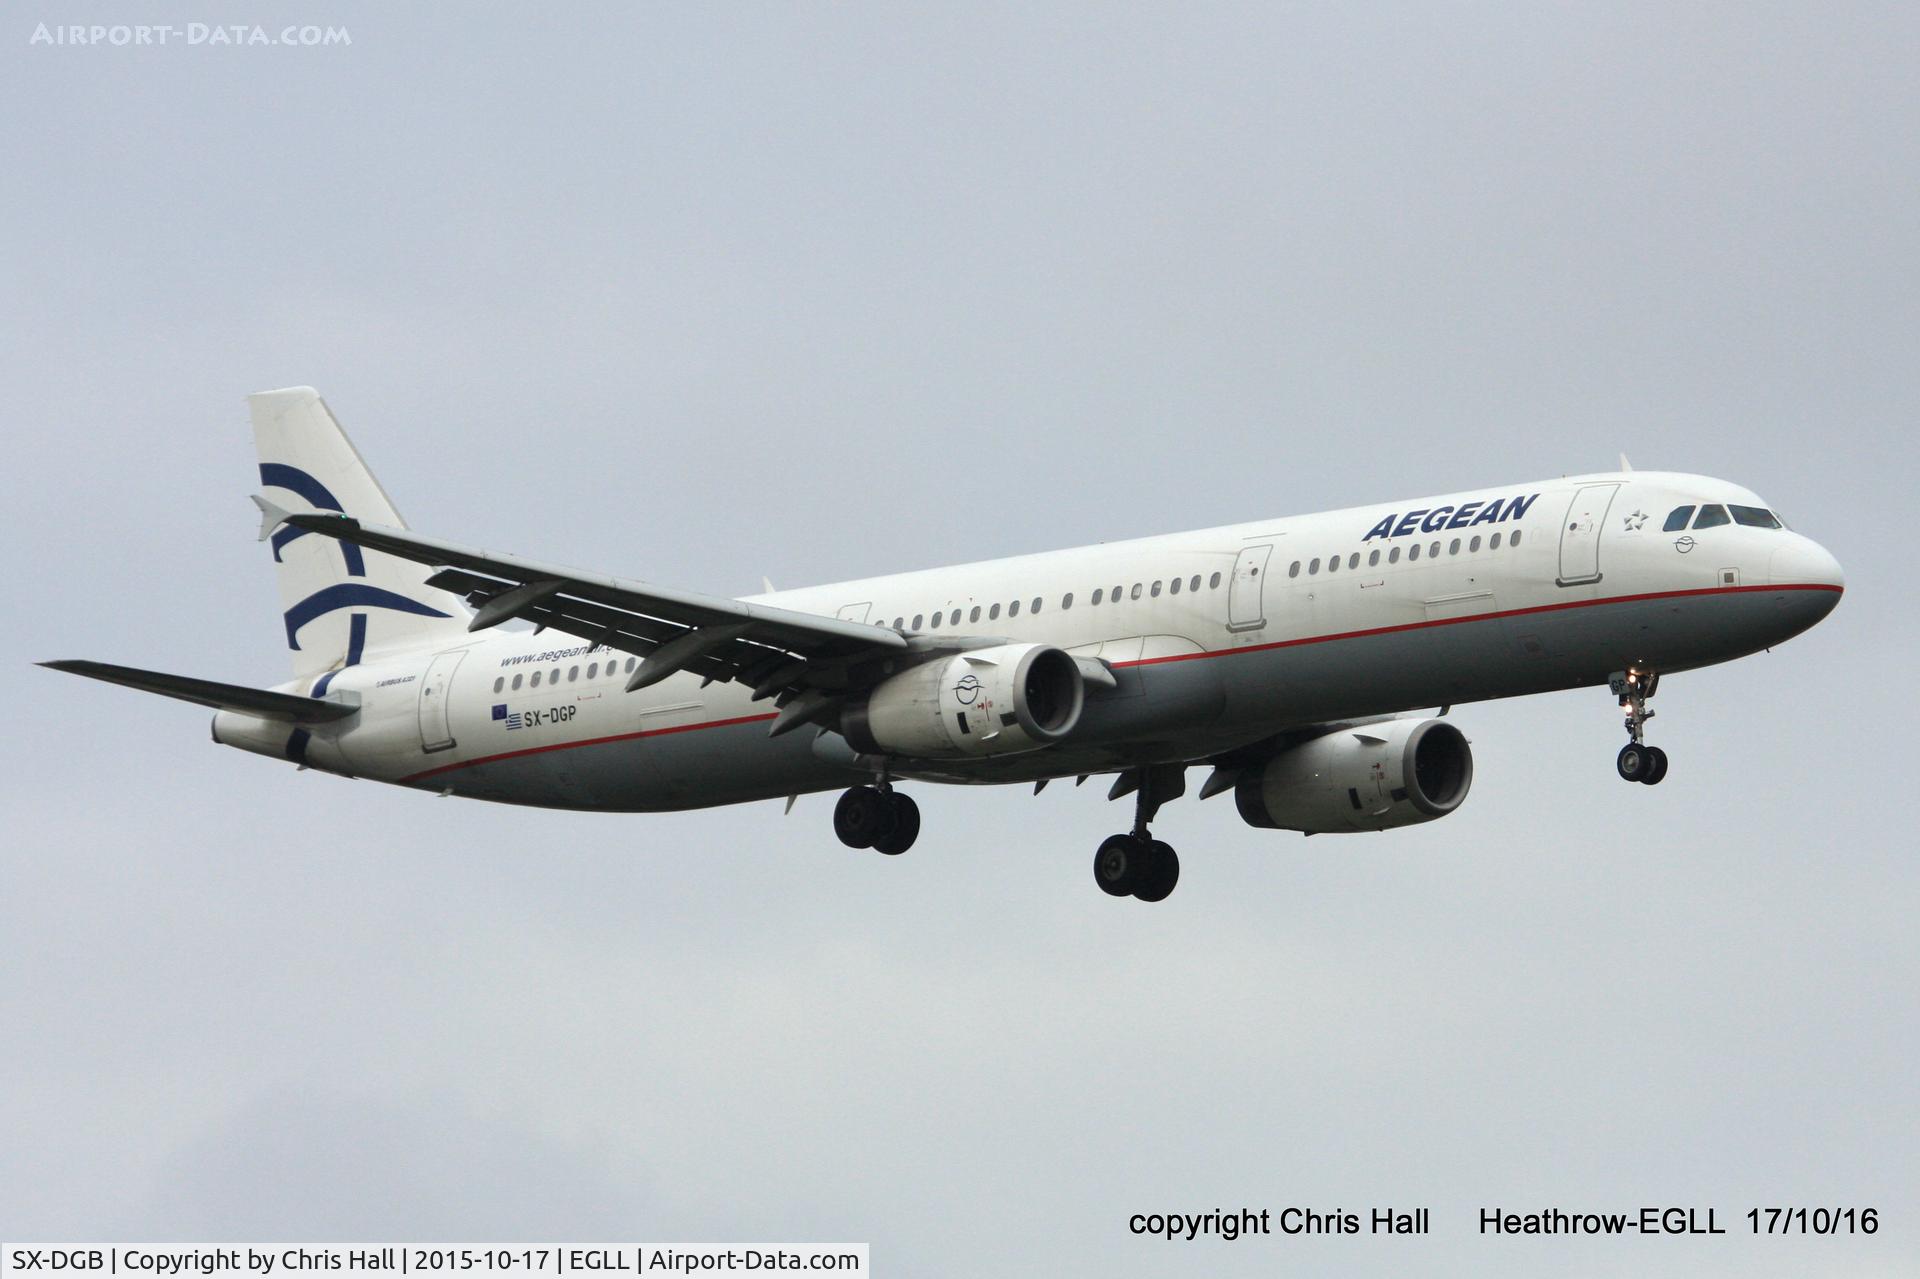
[1580, 533]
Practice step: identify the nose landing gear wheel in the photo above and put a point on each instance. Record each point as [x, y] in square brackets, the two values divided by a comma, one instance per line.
[1656, 766]
[1634, 762]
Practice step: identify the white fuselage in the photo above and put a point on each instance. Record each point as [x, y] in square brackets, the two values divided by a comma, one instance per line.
[1218, 638]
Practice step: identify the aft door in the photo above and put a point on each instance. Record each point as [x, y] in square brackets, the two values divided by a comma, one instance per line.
[1245, 607]
[1580, 533]
[435, 735]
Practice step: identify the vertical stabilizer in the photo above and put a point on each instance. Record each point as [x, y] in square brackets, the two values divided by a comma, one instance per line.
[341, 601]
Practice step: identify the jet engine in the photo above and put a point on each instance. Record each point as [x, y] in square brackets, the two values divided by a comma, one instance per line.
[988, 701]
[1373, 777]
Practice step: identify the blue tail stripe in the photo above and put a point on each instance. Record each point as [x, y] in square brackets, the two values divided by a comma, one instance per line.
[295, 480]
[356, 645]
[349, 595]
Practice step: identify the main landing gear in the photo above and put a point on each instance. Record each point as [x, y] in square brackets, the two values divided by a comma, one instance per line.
[1136, 864]
[1637, 761]
[877, 817]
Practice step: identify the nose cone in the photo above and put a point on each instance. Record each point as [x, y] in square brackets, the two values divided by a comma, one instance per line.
[1804, 562]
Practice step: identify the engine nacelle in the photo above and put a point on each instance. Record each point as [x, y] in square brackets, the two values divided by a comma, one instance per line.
[989, 701]
[1374, 777]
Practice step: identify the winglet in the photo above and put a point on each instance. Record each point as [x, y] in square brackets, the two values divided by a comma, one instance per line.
[271, 516]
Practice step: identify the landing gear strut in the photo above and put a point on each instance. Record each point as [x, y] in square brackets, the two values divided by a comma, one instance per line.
[877, 817]
[1136, 864]
[1637, 761]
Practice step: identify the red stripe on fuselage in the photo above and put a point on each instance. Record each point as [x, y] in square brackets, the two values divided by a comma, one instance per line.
[1176, 657]
[1477, 617]
[590, 741]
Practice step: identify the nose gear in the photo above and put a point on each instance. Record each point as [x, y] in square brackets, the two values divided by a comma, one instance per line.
[1637, 761]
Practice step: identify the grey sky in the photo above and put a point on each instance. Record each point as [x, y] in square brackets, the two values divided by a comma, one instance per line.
[832, 291]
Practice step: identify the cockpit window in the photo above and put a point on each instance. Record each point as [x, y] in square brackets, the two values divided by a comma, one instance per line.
[1678, 520]
[1754, 516]
[1711, 517]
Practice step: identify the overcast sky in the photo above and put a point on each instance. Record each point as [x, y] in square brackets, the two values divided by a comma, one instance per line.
[695, 294]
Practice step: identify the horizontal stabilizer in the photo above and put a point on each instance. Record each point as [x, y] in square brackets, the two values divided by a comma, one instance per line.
[205, 692]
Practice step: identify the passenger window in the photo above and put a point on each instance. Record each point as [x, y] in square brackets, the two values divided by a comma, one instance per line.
[1678, 520]
[1711, 517]
[1313, 566]
[974, 616]
[1453, 547]
[1173, 587]
[1194, 584]
[1474, 545]
[500, 683]
[1353, 560]
[1393, 556]
[1373, 558]
[1493, 543]
[554, 677]
[955, 619]
[1013, 609]
[1156, 590]
[1753, 517]
[1413, 552]
[1333, 564]
[629, 666]
[993, 614]
[1515, 539]
[1433, 552]
[1115, 597]
[1295, 570]
[593, 669]
[1097, 593]
[918, 619]
[1066, 601]
[899, 624]
[1035, 606]
[935, 622]
[1135, 593]
[535, 681]
[573, 673]
[516, 683]
[1213, 583]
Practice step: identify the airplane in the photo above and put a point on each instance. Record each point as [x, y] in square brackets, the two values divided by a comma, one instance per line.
[1284, 655]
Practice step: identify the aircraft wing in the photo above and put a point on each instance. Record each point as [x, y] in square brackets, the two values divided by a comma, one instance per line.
[806, 661]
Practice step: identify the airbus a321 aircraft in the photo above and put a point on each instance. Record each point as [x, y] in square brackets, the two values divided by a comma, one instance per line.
[1280, 655]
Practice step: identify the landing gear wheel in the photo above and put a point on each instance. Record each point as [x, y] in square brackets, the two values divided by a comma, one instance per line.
[1118, 866]
[1656, 766]
[863, 817]
[1634, 762]
[906, 825]
[1162, 872]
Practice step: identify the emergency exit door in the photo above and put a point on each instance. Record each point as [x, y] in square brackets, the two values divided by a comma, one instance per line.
[1246, 609]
